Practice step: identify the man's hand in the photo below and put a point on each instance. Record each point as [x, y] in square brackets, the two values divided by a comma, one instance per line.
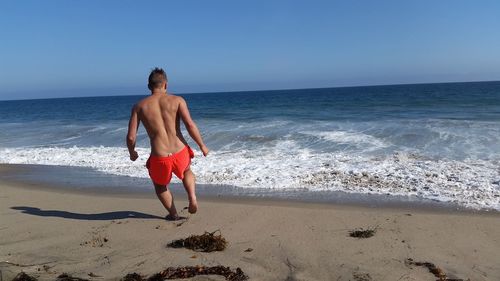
[205, 150]
[134, 155]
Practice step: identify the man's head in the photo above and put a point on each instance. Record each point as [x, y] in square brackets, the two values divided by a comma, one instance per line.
[157, 79]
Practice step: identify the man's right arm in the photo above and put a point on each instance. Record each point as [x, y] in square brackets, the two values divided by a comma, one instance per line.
[191, 126]
[133, 125]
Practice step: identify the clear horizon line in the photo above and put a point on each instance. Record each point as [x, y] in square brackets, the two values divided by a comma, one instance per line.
[269, 90]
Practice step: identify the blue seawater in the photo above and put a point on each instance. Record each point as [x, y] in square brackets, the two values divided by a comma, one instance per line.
[434, 141]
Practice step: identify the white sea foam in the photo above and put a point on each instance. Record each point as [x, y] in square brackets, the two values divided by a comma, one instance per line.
[360, 140]
[471, 183]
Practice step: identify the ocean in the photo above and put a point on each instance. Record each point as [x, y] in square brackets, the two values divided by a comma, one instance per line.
[437, 142]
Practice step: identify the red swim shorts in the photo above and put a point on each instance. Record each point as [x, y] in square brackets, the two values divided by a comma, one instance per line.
[161, 167]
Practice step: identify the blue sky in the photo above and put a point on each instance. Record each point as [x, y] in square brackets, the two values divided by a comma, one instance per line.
[75, 48]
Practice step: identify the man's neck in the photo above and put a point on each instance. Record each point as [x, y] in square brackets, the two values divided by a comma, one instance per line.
[159, 92]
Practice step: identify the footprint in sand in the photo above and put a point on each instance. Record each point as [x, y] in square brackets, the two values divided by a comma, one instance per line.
[177, 222]
[98, 237]
[358, 276]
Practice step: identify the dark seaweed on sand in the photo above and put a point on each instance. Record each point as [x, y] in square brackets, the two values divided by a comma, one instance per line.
[67, 277]
[63, 277]
[191, 271]
[188, 272]
[24, 277]
[363, 233]
[169, 273]
[132, 277]
[438, 272]
[207, 242]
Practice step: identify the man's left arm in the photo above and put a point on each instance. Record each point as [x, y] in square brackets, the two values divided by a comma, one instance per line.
[133, 126]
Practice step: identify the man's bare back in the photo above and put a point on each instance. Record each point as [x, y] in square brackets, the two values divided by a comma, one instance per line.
[161, 114]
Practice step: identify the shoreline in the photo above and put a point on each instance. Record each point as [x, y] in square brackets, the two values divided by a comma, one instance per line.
[76, 181]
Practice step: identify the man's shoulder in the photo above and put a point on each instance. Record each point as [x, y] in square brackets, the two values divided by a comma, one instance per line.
[174, 96]
[171, 98]
[140, 104]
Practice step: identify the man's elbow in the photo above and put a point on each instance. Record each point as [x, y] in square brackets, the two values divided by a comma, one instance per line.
[190, 126]
[130, 140]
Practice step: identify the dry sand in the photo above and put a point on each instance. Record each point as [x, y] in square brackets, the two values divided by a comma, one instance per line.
[110, 236]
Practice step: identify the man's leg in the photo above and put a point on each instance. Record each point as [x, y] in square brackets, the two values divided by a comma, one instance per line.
[189, 185]
[167, 199]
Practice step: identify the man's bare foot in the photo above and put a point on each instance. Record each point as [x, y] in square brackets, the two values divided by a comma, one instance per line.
[193, 206]
[172, 217]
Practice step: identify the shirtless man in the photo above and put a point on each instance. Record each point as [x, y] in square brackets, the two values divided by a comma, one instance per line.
[161, 114]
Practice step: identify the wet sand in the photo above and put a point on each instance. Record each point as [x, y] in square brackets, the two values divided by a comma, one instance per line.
[109, 236]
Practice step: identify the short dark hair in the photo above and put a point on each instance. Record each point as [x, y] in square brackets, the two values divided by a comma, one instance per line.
[156, 78]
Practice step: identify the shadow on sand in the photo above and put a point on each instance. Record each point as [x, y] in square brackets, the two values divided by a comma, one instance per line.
[92, 217]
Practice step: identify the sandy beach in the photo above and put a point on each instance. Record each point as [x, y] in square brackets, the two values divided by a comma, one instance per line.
[322, 140]
[46, 232]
